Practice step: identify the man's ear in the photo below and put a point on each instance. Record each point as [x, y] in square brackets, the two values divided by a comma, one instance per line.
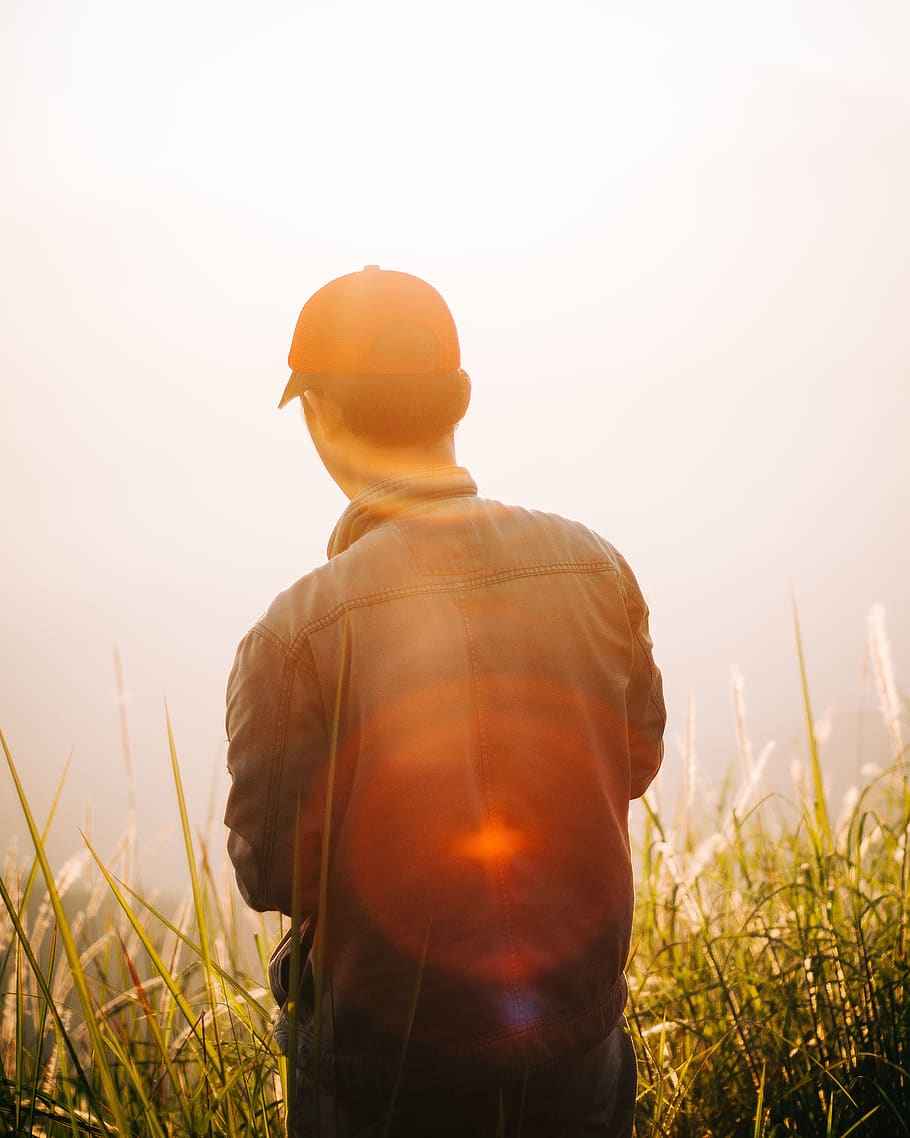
[322, 414]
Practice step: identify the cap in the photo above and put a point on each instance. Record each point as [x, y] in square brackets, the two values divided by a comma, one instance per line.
[372, 323]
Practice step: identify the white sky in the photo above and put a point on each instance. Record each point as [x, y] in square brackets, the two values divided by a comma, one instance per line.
[676, 242]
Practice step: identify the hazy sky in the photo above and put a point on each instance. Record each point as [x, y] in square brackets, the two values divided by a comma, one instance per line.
[675, 239]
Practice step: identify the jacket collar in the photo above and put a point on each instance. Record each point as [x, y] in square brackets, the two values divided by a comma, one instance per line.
[396, 496]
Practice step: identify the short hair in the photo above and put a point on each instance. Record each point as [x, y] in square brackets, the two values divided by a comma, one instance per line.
[398, 410]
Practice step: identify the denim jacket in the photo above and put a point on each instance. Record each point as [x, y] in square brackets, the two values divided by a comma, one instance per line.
[456, 710]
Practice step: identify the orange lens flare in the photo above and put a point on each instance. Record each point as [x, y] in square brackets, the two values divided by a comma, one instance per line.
[495, 840]
[433, 834]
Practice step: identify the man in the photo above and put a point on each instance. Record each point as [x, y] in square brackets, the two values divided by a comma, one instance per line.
[433, 740]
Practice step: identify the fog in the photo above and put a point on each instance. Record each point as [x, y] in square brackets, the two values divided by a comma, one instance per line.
[677, 248]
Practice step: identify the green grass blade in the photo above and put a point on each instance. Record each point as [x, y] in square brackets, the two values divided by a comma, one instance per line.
[223, 975]
[198, 901]
[170, 981]
[80, 985]
[319, 941]
[33, 871]
[409, 1027]
[160, 1043]
[820, 805]
[821, 831]
[760, 1105]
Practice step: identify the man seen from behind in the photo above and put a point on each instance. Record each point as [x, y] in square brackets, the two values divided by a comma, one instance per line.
[433, 740]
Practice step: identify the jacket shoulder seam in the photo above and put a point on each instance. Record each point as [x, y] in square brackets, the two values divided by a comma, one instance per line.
[465, 584]
[292, 652]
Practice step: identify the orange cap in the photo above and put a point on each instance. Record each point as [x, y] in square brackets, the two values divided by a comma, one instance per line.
[375, 322]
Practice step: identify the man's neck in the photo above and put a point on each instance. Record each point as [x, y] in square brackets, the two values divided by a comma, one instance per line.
[362, 464]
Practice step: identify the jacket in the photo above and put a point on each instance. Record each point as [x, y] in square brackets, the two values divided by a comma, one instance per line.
[455, 711]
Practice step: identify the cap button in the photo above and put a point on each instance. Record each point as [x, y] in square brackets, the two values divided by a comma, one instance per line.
[366, 268]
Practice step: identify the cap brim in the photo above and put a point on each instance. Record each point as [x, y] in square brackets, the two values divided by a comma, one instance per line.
[292, 390]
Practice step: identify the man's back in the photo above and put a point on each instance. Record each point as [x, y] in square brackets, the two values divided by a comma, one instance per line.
[497, 708]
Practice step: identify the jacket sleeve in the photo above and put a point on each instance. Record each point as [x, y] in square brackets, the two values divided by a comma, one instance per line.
[646, 715]
[277, 760]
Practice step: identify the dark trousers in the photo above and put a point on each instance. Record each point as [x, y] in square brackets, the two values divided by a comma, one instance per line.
[591, 1095]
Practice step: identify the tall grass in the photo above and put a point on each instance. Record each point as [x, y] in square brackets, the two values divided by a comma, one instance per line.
[117, 1018]
[770, 976]
[769, 971]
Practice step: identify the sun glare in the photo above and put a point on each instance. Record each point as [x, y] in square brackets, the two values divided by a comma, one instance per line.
[494, 840]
